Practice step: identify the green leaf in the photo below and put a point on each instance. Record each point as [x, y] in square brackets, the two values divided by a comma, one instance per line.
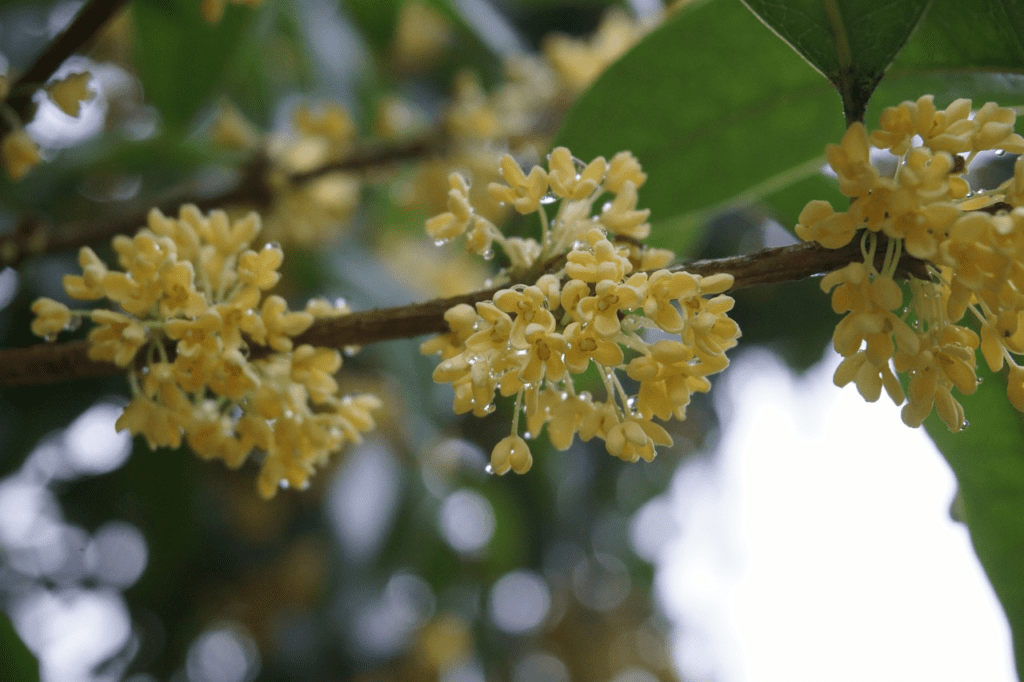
[19, 663]
[181, 58]
[987, 460]
[851, 42]
[376, 20]
[721, 112]
[973, 49]
[981, 34]
[717, 109]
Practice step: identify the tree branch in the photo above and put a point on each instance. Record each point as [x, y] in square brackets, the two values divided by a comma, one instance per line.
[52, 363]
[33, 237]
[84, 26]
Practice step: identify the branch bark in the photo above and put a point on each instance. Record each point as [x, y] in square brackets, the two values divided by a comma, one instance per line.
[89, 20]
[53, 363]
[33, 237]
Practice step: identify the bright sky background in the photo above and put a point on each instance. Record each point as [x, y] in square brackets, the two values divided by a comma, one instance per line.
[818, 545]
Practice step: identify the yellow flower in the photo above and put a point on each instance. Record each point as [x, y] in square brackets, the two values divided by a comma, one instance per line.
[635, 438]
[603, 262]
[157, 423]
[281, 324]
[569, 182]
[20, 154]
[601, 311]
[511, 454]
[177, 279]
[260, 268]
[585, 344]
[624, 168]
[314, 368]
[69, 92]
[460, 212]
[546, 353]
[622, 218]
[851, 161]
[116, 338]
[201, 335]
[663, 287]
[52, 317]
[521, 191]
[89, 285]
[818, 222]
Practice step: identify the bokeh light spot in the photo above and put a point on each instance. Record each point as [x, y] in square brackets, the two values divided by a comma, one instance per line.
[467, 521]
[223, 654]
[519, 601]
[93, 444]
[119, 554]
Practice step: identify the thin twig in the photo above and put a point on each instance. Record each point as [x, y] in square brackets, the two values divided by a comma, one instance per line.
[32, 237]
[52, 363]
[89, 20]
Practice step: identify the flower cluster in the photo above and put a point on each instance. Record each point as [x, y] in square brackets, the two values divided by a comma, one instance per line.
[307, 211]
[597, 307]
[210, 358]
[517, 116]
[969, 246]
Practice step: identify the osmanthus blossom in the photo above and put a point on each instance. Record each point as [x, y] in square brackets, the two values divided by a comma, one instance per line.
[194, 284]
[590, 311]
[969, 247]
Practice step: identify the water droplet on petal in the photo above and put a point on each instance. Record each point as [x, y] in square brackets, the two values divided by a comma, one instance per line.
[606, 207]
[49, 338]
[489, 469]
[528, 436]
[965, 424]
[488, 408]
[440, 242]
[548, 198]
[74, 323]
[284, 484]
[1000, 152]
[272, 245]
[488, 254]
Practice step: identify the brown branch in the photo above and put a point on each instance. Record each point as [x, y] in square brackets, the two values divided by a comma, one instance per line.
[32, 236]
[51, 363]
[89, 20]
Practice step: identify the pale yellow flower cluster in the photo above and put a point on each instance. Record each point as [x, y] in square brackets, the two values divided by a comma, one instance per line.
[193, 327]
[594, 309]
[309, 211]
[971, 244]
[518, 115]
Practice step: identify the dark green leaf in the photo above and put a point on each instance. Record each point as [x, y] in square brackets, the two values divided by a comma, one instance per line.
[988, 460]
[851, 42]
[981, 34]
[181, 58]
[720, 112]
[18, 662]
[715, 107]
[376, 20]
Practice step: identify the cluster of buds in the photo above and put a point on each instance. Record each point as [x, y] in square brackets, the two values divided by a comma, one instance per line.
[210, 359]
[597, 307]
[970, 246]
